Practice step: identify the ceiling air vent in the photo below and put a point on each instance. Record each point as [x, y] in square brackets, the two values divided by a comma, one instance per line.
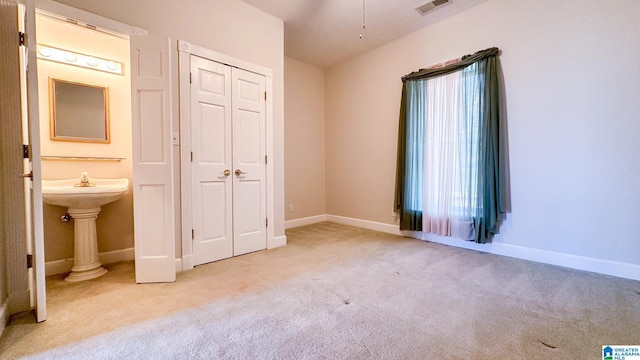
[430, 6]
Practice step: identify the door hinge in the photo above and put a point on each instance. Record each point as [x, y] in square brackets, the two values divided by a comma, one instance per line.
[267, 222]
[190, 79]
[193, 234]
[192, 156]
[22, 38]
[29, 261]
[265, 96]
[25, 151]
[265, 159]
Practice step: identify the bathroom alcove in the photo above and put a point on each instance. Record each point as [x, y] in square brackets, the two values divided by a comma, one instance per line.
[63, 159]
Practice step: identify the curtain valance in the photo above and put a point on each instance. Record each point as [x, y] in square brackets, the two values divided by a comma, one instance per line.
[450, 67]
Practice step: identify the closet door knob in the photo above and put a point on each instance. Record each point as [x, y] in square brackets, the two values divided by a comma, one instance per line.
[239, 172]
[227, 172]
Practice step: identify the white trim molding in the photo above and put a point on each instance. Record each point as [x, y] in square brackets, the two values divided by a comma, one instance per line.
[276, 242]
[577, 262]
[366, 224]
[305, 221]
[64, 12]
[600, 266]
[64, 266]
[186, 263]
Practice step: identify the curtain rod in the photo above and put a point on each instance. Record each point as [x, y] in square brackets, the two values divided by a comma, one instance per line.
[451, 65]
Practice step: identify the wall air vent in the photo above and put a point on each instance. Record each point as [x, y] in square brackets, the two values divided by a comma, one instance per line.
[430, 6]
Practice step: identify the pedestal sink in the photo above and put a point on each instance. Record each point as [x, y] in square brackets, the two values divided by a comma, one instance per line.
[84, 204]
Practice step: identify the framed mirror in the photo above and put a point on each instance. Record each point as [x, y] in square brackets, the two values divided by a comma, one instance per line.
[78, 112]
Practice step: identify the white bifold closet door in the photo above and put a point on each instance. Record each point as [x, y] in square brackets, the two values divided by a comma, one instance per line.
[228, 164]
[153, 205]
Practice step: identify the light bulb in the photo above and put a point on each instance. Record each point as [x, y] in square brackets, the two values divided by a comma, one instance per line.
[70, 57]
[91, 61]
[46, 52]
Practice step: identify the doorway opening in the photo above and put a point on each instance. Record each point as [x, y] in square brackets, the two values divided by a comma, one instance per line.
[63, 157]
[72, 52]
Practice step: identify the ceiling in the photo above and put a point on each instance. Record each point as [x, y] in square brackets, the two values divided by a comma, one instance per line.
[326, 32]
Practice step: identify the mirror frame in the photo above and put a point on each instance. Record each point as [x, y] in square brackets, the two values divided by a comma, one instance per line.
[53, 117]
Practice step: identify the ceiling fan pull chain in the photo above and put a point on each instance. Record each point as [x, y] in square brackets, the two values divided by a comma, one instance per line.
[363, 19]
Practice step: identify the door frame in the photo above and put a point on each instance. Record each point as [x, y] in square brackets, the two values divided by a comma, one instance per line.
[183, 139]
[37, 287]
[62, 11]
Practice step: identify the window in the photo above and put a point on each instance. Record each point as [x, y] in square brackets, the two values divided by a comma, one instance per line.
[449, 178]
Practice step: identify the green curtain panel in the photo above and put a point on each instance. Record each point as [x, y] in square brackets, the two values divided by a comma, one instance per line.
[480, 105]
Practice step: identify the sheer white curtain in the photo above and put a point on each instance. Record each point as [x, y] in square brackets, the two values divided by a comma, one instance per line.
[450, 155]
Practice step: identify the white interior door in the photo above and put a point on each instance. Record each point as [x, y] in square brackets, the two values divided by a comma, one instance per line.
[36, 213]
[249, 162]
[211, 161]
[152, 160]
[228, 170]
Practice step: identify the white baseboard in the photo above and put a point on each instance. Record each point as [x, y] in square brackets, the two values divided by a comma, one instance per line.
[187, 262]
[366, 224]
[600, 266]
[4, 315]
[63, 266]
[117, 256]
[304, 221]
[178, 265]
[277, 241]
[58, 267]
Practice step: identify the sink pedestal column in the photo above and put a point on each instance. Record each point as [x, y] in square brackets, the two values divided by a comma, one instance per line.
[86, 264]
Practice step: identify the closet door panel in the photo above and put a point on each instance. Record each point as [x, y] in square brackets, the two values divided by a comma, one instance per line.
[249, 198]
[153, 203]
[211, 160]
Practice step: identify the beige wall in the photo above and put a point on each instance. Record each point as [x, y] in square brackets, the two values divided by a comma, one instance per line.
[230, 27]
[571, 84]
[304, 146]
[363, 99]
[115, 222]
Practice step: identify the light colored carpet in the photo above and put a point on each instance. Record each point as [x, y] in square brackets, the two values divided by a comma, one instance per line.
[337, 292]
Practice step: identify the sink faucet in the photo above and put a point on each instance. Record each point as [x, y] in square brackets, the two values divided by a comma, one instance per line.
[84, 180]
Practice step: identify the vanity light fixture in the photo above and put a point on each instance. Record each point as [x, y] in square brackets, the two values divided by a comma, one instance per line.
[81, 60]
